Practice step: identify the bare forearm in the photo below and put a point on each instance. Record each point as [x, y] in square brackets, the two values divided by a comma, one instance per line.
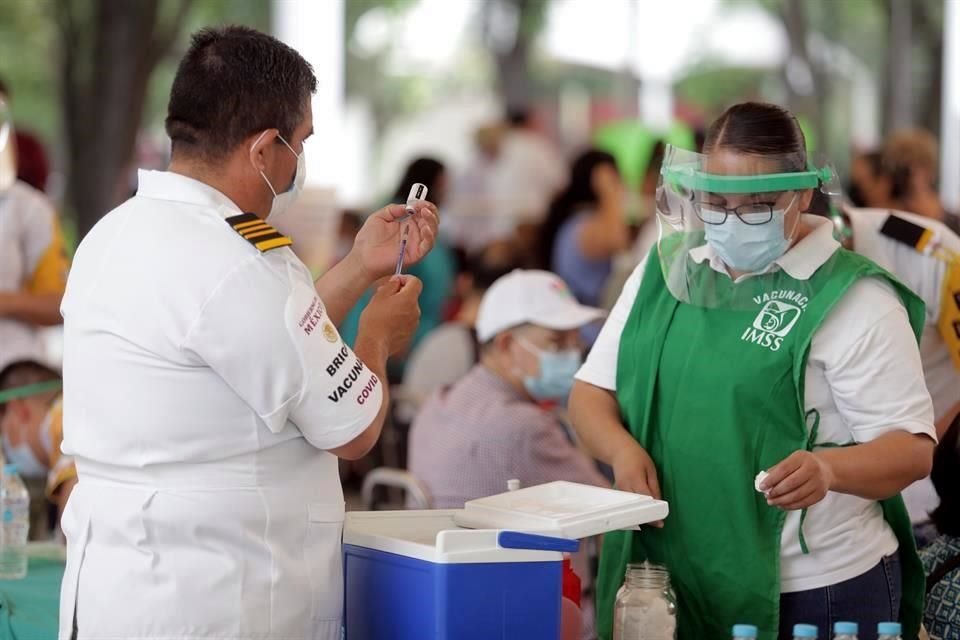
[41, 310]
[882, 468]
[595, 415]
[341, 287]
[605, 234]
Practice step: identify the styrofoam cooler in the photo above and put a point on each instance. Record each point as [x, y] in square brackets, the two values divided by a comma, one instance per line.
[490, 570]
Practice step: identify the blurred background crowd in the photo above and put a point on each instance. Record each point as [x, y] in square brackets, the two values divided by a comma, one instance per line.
[537, 125]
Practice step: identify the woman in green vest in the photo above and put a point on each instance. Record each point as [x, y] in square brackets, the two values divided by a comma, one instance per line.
[751, 342]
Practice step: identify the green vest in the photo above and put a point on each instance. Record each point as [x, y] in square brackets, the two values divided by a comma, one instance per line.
[714, 396]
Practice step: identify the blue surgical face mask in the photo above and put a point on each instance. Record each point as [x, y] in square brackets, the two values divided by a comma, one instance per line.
[748, 247]
[22, 455]
[556, 373]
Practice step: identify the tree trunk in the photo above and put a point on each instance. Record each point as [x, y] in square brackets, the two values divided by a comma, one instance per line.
[513, 73]
[509, 28]
[106, 61]
[803, 100]
[930, 35]
[900, 68]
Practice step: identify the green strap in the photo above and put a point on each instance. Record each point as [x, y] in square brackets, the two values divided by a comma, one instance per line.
[690, 176]
[811, 445]
[29, 390]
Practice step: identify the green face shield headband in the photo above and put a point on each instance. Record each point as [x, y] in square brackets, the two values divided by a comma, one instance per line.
[690, 177]
[29, 390]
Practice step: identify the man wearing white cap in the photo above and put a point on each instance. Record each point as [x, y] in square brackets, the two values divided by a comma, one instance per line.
[491, 426]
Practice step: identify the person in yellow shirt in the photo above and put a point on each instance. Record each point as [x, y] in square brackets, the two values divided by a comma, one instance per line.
[31, 427]
[33, 262]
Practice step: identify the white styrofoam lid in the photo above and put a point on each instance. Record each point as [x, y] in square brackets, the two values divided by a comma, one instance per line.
[564, 509]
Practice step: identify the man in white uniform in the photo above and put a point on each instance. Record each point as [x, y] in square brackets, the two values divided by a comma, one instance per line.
[207, 391]
[925, 255]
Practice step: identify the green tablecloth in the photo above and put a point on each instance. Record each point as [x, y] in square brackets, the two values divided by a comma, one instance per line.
[29, 607]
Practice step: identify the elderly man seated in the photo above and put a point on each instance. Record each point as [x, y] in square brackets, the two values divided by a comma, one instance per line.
[495, 424]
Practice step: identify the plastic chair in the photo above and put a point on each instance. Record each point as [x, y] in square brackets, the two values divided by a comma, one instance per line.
[417, 496]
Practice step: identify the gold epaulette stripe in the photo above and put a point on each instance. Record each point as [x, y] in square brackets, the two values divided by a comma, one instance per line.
[266, 245]
[924, 240]
[260, 227]
[949, 321]
[246, 225]
[257, 232]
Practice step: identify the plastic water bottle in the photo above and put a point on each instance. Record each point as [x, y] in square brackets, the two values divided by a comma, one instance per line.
[15, 502]
[744, 632]
[805, 632]
[889, 631]
[845, 631]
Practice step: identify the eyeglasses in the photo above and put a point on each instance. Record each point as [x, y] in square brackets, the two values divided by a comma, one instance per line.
[751, 214]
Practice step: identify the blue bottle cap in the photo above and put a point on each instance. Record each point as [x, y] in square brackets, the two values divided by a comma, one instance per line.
[889, 629]
[846, 628]
[10, 469]
[804, 631]
[744, 631]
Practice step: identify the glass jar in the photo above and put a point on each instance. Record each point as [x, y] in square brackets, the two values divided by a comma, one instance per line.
[646, 606]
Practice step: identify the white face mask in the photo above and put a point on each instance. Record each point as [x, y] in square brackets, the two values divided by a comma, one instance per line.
[283, 201]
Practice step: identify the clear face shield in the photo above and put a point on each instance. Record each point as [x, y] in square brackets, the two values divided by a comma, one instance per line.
[8, 157]
[725, 217]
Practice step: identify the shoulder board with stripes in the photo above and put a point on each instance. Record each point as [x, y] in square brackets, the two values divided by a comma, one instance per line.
[922, 239]
[949, 322]
[257, 232]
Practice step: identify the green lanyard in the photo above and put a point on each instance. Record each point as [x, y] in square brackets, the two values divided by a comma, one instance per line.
[29, 390]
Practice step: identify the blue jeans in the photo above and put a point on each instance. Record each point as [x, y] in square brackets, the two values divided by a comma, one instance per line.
[867, 599]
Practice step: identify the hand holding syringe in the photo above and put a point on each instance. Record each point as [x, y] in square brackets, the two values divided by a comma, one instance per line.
[418, 193]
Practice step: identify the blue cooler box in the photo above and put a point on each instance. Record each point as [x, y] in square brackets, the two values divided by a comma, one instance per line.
[423, 575]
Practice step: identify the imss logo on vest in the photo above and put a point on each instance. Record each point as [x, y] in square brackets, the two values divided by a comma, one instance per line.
[776, 318]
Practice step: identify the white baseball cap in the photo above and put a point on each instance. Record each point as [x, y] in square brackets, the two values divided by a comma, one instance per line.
[532, 297]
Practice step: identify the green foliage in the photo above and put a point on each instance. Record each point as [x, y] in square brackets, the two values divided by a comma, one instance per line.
[533, 16]
[203, 13]
[713, 89]
[354, 10]
[29, 54]
[28, 64]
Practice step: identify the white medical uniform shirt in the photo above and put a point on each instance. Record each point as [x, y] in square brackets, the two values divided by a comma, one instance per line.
[203, 384]
[924, 274]
[863, 376]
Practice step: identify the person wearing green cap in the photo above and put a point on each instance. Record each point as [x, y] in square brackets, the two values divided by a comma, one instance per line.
[31, 426]
[766, 383]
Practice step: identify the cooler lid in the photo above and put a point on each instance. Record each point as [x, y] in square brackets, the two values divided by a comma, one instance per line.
[564, 509]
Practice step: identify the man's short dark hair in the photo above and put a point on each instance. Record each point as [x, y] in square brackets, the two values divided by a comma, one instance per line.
[233, 82]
